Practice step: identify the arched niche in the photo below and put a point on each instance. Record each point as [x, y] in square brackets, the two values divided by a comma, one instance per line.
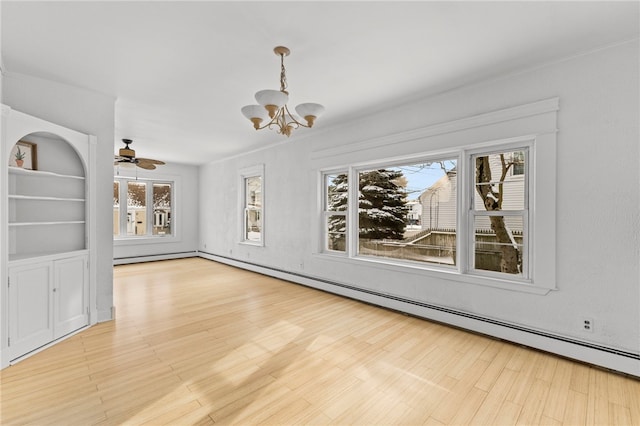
[48, 152]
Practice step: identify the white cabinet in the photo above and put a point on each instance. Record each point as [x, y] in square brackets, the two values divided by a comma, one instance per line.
[48, 299]
[30, 307]
[47, 218]
[70, 295]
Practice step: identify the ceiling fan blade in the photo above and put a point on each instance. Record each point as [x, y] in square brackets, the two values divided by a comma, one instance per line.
[151, 161]
[145, 165]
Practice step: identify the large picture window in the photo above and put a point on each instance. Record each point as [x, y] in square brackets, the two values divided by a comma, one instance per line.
[479, 209]
[411, 212]
[136, 219]
[408, 211]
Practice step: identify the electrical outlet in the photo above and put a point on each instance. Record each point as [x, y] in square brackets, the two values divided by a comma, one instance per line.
[587, 324]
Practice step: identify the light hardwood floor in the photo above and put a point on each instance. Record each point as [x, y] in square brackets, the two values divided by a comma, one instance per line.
[196, 342]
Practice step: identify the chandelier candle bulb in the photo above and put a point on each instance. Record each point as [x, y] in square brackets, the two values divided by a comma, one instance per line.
[273, 103]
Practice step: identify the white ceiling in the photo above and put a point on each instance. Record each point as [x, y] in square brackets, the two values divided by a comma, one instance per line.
[181, 71]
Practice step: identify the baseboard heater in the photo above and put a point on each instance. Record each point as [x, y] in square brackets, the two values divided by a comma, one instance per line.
[153, 257]
[603, 356]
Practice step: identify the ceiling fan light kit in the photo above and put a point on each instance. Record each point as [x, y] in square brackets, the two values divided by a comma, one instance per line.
[127, 158]
[273, 106]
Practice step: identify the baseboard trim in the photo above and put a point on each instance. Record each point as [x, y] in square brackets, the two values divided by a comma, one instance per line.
[599, 355]
[107, 315]
[153, 257]
[48, 345]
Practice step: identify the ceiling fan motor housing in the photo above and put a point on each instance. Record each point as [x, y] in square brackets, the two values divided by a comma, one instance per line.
[124, 152]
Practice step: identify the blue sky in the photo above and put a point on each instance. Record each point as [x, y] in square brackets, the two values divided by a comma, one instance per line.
[421, 176]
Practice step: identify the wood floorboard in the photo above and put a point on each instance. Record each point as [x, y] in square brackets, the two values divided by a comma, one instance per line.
[200, 343]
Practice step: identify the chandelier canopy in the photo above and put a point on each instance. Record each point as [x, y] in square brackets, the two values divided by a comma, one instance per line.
[273, 106]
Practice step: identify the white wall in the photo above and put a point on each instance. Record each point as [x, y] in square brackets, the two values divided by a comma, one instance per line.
[597, 213]
[186, 213]
[90, 113]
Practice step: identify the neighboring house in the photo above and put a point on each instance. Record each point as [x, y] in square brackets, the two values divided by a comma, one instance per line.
[439, 201]
[415, 213]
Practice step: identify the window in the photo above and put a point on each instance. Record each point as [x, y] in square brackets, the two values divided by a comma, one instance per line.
[252, 205]
[137, 220]
[517, 158]
[162, 208]
[116, 208]
[335, 211]
[486, 209]
[408, 212]
[136, 208]
[498, 214]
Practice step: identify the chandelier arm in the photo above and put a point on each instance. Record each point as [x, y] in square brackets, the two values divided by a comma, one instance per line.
[293, 120]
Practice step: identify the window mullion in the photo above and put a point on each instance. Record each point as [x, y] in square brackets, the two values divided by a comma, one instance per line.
[352, 213]
[464, 239]
[124, 204]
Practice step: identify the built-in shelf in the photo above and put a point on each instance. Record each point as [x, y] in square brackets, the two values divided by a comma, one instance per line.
[45, 235]
[61, 222]
[41, 198]
[21, 171]
[16, 259]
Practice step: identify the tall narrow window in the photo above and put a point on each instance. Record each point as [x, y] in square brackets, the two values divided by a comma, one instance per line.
[336, 190]
[253, 209]
[251, 205]
[161, 209]
[136, 208]
[499, 212]
[116, 208]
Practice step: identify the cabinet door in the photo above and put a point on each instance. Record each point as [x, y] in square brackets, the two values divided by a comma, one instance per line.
[30, 307]
[71, 295]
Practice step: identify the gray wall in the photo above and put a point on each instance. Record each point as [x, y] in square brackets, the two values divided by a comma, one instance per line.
[597, 247]
[186, 213]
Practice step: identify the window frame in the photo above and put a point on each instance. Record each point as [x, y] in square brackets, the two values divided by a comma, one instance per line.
[354, 224]
[544, 183]
[148, 238]
[244, 174]
[326, 213]
[469, 214]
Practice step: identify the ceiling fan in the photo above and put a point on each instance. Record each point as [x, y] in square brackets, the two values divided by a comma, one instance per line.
[128, 156]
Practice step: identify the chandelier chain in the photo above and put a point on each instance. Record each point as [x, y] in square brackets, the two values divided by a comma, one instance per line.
[283, 75]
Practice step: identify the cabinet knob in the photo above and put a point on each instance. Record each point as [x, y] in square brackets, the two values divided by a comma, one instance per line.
[55, 289]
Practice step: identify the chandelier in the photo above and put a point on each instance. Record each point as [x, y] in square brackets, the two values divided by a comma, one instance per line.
[273, 106]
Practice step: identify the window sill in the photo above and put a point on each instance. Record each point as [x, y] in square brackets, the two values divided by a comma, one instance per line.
[446, 273]
[252, 243]
[157, 239]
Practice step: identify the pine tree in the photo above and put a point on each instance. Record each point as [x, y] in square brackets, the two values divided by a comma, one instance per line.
[382, 204]
[337, 193]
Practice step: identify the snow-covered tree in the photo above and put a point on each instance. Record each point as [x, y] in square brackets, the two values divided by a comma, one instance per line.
[136, 194]
[337, 198]
[382, 204]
